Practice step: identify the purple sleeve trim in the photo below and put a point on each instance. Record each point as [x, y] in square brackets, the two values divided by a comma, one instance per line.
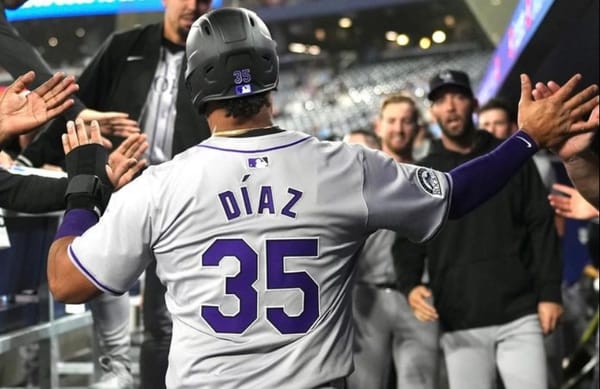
[76, 222]
[477, 180]
[90, 276]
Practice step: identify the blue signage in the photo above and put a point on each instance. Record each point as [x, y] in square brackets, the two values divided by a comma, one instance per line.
[526, 19]
[37, 9]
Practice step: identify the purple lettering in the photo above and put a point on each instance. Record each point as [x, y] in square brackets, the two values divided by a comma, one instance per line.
[266, 200]
[230, 206]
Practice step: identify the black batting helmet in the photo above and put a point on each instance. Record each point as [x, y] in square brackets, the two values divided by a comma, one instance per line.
[230, 54]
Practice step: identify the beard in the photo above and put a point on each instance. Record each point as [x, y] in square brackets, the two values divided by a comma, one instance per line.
[461, 135]
[183, 33]
[401, 147]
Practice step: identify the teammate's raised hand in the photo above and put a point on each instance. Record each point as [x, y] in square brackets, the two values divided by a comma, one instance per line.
[111, 123]
[556, 116]
[21, 111]
[576, 144]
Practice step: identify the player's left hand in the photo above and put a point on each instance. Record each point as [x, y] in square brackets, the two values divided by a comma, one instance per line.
[119, 173]
[21, 111]
[133, 147]
[549, 313]
[551, 119]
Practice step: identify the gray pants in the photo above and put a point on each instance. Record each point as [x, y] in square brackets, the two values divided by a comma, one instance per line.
[111, 326]
[386, 332]
[515, 350]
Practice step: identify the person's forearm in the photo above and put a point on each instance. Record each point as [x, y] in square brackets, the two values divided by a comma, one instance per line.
[19, 193]
[583, 172]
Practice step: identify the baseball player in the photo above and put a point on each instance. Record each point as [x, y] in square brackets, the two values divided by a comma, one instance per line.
[254, 230]
[386, 332]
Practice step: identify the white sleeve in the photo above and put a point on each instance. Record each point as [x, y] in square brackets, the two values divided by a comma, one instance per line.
[409, 199]
[113, 253]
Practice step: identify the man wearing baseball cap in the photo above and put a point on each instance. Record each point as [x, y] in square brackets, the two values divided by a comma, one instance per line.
[449, 78]
[494, 274]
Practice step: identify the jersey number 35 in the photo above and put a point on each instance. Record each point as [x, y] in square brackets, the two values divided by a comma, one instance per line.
[240, 285]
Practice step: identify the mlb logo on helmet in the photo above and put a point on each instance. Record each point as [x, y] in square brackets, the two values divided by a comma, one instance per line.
[258, 162]
[243, 89]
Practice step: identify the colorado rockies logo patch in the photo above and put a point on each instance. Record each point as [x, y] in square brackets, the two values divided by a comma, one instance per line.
[429, 182]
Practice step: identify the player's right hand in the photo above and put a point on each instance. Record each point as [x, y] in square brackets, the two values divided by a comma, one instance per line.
[419, 300]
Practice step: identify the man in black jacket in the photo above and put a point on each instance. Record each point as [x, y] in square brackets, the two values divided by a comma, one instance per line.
[140, 72]
[494, 274]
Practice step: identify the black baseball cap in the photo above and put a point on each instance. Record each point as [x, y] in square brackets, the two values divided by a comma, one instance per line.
[446, 78]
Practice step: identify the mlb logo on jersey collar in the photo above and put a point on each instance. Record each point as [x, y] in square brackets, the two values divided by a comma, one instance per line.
[258, 162]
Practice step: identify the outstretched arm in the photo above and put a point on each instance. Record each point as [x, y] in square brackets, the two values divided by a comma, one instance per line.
[88, 164]
[583, 171]
[547, 122]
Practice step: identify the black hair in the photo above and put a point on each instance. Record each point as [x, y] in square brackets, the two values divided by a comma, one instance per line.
[243, 108]
[499, 103]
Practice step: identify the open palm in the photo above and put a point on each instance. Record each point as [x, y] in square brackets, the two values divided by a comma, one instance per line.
[21, 111]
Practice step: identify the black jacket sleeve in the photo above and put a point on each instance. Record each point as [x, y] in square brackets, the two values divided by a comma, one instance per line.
[409, 263]
[545, 262]
[93, 90]
[19, 57]
[96, 79]
[46, 148]
[31, 194]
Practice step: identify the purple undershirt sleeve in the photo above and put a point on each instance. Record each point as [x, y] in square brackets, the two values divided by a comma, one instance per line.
[76, 222]
[479, 179]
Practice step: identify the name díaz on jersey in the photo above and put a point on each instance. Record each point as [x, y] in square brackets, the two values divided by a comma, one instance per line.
[242, 203]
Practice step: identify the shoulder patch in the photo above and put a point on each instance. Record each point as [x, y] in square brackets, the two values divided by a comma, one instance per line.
[429, 182]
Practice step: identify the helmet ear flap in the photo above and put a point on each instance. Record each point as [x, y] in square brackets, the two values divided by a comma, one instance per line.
[230, 54]
[198, 76]
[189, 82]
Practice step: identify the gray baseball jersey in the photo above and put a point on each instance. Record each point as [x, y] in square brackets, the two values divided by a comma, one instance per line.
[375, 264]
[254, 239]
